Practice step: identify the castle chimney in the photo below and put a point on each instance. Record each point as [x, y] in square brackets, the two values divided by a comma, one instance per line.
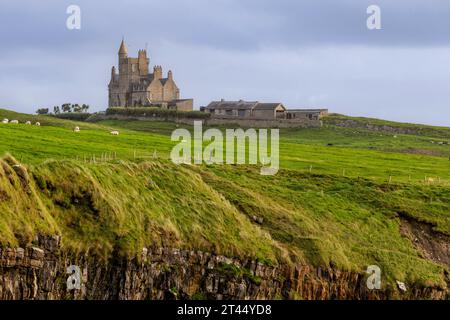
[113, 73]
[157, 72]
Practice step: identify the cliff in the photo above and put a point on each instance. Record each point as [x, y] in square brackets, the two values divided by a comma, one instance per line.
[153, 230]
[164, 273]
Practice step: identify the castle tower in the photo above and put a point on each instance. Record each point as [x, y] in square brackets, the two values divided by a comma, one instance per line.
[123, 60]
[134, 84]
[143, 62]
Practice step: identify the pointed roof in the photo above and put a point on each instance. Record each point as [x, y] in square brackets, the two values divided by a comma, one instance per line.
[123, 49]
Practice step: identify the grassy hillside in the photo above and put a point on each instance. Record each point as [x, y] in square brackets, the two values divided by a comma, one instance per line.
[386, 125]
[328, 205]
[350, 154]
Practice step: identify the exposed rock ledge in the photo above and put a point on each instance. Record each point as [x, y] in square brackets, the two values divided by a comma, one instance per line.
[164, 273]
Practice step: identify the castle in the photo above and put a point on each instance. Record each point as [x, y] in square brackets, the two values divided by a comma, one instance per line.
[134, 86]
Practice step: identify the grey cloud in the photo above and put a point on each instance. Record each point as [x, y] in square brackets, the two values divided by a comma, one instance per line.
[303, 53]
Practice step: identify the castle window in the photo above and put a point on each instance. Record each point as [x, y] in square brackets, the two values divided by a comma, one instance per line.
[133, 67]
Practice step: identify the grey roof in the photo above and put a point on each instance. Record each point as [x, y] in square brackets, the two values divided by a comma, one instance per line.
[307, 110]
[268, 106]
[163, 80]
[231, 105]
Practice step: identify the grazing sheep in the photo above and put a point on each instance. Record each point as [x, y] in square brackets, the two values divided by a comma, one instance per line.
[38, 123]
[76, 129]
[115, 133]
[14, 121]
[28, 122]
[5, 120]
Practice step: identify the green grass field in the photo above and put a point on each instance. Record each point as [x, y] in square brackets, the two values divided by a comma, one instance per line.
[338, 198]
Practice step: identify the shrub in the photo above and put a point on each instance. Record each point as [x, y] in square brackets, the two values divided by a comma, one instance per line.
[153, 112]
[77, 116]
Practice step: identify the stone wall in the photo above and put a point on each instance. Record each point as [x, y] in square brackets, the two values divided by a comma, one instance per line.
[263, 123]
[164, 273]
[244, 123]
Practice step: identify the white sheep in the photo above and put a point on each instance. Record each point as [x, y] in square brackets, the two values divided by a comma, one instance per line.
[14, 121]
[115, 133]
[5, 120]
[76, 129]
[28, 122]
[37, 123]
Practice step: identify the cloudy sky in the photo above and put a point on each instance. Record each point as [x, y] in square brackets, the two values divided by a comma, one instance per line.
[309, 53]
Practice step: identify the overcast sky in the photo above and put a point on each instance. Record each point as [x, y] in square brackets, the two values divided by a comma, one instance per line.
[305, 54]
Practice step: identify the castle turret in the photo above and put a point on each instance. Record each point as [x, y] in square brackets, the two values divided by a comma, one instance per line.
[123, 57]
[169, 75]
[123, 51]
[157, 72]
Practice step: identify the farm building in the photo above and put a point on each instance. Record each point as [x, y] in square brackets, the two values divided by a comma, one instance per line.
[259, 110]
[245, 109]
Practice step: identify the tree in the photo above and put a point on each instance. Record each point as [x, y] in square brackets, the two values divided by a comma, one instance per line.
[76, 108]
[42, 111]
[56, 110]
[65, 107]
[85, 107]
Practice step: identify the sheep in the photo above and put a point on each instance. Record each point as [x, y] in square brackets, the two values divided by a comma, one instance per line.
[28, 122]
[76, 129]
[5, 120]
[115, 133]
[14, 121]
[37, 123]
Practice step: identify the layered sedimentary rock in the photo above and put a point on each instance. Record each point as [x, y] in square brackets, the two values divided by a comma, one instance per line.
[40, 272]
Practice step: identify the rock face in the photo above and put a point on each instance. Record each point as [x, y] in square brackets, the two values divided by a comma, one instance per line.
[164, 273]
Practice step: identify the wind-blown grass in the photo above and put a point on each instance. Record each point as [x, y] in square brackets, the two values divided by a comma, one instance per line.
[328, 205]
